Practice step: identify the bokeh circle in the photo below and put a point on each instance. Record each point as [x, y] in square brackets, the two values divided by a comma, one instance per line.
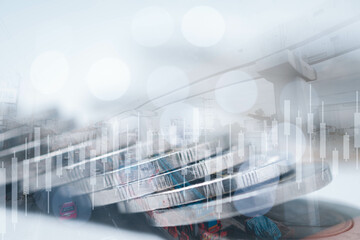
[109, 79]
[203, 26]
[236, 92]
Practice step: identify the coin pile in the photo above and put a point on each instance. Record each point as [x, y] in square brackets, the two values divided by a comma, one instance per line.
[175, 185]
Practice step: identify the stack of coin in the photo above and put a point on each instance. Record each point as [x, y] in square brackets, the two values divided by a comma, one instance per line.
[186, 184]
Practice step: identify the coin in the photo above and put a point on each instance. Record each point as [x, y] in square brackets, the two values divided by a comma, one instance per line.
[168, 180]
[206, 190]
[286, 190]
[80, 170]
[149, 168]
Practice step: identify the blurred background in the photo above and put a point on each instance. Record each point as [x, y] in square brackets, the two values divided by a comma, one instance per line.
[206, 67]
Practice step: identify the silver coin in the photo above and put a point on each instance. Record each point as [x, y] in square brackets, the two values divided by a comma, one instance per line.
[103, 163]
[314, 178]
[38, 164]
[207, 190]
[167, 180]
[147, 169]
